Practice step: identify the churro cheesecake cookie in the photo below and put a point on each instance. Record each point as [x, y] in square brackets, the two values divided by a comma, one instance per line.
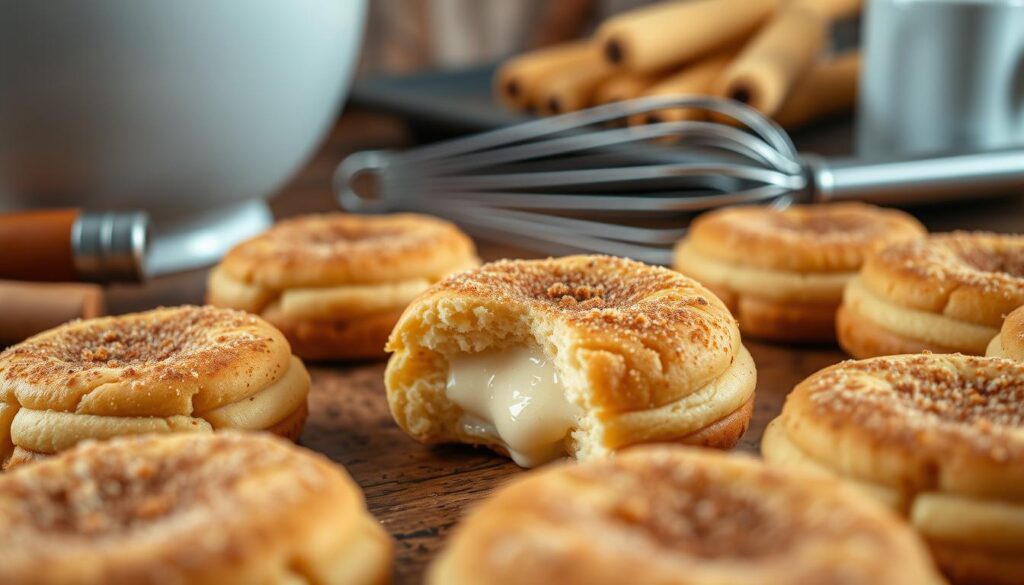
[673, 515]
[180, 369]
[1010, 341]
[782, 271]
[938, 438]
[946, 293]
[574, 356]
[336, 283]
[201, 509]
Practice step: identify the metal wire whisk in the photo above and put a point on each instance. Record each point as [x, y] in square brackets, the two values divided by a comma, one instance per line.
[571, 183]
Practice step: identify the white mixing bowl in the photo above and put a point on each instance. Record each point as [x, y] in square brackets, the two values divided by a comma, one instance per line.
[193, 110]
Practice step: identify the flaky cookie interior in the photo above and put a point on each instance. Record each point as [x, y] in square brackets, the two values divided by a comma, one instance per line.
[524, 384]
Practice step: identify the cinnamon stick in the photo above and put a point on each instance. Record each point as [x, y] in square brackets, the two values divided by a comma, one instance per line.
[694, 80]
[828, 88]
[671, 34]
[623, 86]
[766, 70]
[518, 81]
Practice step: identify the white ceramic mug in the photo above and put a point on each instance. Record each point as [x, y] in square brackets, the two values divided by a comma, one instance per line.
[941, 75]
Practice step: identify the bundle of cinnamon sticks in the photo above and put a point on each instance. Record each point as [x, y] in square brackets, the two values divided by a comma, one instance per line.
[769, 54]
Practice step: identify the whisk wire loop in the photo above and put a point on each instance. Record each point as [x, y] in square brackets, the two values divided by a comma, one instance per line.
[519, 184]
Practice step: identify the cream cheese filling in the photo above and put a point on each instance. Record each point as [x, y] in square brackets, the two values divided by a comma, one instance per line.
[775, 285]
[515, 397]
[916, 324]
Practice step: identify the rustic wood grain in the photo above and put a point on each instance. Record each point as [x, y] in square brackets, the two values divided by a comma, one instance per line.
[418, 492]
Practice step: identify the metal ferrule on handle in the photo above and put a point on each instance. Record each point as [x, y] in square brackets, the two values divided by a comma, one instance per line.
[110, 246]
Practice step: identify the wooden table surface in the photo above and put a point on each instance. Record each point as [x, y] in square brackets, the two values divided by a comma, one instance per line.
[419, 493]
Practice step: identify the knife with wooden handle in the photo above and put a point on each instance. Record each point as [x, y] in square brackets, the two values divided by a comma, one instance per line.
[71, 244]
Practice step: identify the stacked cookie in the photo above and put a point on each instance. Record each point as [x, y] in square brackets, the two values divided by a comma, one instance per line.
[230, 508]
[934, 437]
[782, 271]
[677, 515]
[183, 369]
[944, 293]
[579, 357]
[574, 356]
[937, 438]
[335, 284]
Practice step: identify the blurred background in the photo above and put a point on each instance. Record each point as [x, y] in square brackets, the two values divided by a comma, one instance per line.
[139, 140]
[409, 36]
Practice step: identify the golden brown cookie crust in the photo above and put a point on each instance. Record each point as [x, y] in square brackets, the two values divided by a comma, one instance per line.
[782, 272]
[937, 438]
[224, 508]
[337, 249]
[800, 238]
[161, 371]
[647, 354]
[335, 283]
[945, 422]
[290, 427]
[615, 310]
[974, 277]
[793, 322]
[362, 338]
[675, 515]
[164, 362]
[725, 432]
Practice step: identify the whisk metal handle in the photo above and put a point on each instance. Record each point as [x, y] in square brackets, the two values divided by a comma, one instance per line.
[912, 180]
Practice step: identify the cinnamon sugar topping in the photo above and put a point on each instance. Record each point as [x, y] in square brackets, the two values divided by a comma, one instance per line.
[854, 224]
[955, 399]
[822, 223]
[135, 485]
[603, 293]
[342, 236]
[170, 342]
[713, 512]
[990, 262]
[833, 238]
